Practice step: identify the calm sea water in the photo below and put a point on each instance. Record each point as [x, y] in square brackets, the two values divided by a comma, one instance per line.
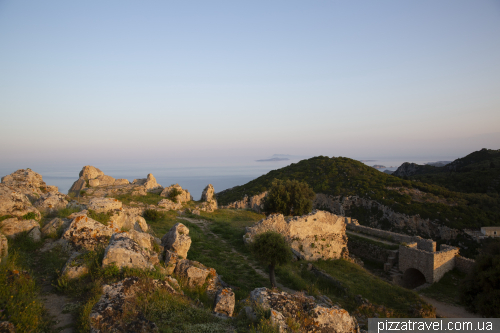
[194, 179]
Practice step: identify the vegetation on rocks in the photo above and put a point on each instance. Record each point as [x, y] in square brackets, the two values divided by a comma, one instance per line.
[289, 197]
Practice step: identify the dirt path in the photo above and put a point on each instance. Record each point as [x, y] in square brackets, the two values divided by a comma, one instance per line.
[205, 226]
[447, 310]
[55, 305]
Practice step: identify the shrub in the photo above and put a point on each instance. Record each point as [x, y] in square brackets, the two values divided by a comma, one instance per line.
[271, 249]
[153, 215]
[173, 194]
[289, 197]
[29, 216]
[100, 217]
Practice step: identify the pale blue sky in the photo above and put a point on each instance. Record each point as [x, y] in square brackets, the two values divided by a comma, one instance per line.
[203, 81]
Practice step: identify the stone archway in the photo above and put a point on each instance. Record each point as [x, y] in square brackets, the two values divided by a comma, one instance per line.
[412, 278]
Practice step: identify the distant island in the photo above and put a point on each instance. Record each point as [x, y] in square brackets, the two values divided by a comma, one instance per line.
[274, 159]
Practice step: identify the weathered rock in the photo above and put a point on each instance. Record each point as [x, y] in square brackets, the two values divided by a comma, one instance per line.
[104, 205]
[75, 267]
[107, 313]
[169, 204]
[151, 183]
[181, 197]
[177, 240]
[255, 202]
[319, 318]
[105, 180]
[89, 172]
[121, 181]
[128, 219]
[15, 203]
[54, 225]
[27, 182]
[77, 186]
[171, 259]
[51, 202]
[318, 235]
[13, 227]
[145, 240]
[94, 182]
[208, 193]
[7, 327]
[35, 234]
[224, 302]
[4, 247]
[61, 244]
[214, 283]
[195, 273]
[123, 251]
[84, 232]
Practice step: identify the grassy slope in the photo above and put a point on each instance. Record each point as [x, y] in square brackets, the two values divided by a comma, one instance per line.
[344, 176]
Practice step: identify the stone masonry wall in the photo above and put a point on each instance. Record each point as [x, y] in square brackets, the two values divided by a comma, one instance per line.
[444, 261]
[464, 265]
[412, 257]
[366, 250]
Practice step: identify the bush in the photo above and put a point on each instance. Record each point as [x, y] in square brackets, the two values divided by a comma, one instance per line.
[29, 216]
[100, 217]
[172, 195]
[480, 291]
[290, 197]
[153, 215]
[271, 249]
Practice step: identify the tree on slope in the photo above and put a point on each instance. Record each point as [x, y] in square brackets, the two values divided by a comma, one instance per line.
[271, 249]
[289, 197]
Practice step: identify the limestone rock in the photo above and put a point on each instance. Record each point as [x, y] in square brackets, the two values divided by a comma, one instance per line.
[169, 204]
[54, 225]
[107, 312]
[145, 240]
[208, 193]
[121, 181]
[77, 186]
[123, 251]
[171, 259]
[105, 180]
[181, 197]
[320, 319]
[255, 203]
[15, 203]
[13, 227]
[75, 267]
[61, 243]
[51, 202]
[89, 172]
[151, 183]
[104, 205]
[84, 232]
[224, 302]
[318, 235]
[27, 182]
[35, 234]
[4, 247]
[177, 240]
[129, 219]
[195, 273]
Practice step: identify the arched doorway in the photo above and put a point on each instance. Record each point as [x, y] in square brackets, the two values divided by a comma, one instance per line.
[413, 278]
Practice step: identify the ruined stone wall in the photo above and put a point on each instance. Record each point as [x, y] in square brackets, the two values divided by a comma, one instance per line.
[411, 257]
[366, 250]
[464, 265]
[444, 261]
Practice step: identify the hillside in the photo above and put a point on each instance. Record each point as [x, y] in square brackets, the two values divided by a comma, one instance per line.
[478, 172]
[341, 176]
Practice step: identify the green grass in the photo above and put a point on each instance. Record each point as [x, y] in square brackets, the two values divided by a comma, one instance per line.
[148, 199]
[447, 289]
[102, 217]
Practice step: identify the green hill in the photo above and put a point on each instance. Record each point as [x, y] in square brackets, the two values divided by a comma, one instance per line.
[346, 177]
[478, 172]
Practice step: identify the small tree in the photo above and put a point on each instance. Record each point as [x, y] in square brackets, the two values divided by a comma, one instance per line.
[289, 197]
[271, 249]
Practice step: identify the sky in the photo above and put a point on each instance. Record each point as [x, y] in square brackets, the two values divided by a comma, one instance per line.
[213, 82]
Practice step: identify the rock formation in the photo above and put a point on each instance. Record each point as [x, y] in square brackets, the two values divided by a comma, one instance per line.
[224, 302]
[123, 251]
[209, 203]
[28, 183]
[177, 240]
[51, 202]
[255, 203]
[318, 235]
[15, 203]
[12, 227]
[169, 204]
[176, 193]
[84, 232]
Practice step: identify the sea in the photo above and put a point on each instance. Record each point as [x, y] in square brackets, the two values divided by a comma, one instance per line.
[194, 179]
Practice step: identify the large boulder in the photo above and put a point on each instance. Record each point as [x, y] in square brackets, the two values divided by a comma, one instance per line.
[28, 183]
[149, 183]
[311, 316]
[121, 181]
[224, 302]
[15, 203]
[89, 172]
[53, 226]
[123, 251]
[75, 267]
[177, 240]
[51, 202]
[193, 272]
[107, 313]
[13, 227]
[176, 193]
[169, 204]
[208, 193]
[85, 232]
[255, 203]
[128, 219]
[104, 205]
[77, 186]
[318, 235]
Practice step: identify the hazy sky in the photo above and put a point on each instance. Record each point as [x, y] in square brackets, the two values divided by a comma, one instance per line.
[194, 81]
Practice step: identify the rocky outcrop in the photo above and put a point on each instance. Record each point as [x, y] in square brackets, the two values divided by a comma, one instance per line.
[15, 203]
[4, 247]
[224, 302]
[149, 183]
[169, 204]
[176, 193]
[51, 202]
[255, 203]
[128, 219]
[121, 181]
[209, 202]
[54, 226]
[193, 272]
[318, 235]
[75, 267]
[303, 310]
[28, 183]
[409, 169]
[107, 314]
[416, 224]
[104, 205]
[123, 251]
[84, 232]
[13, 227]
[177, 240]
[89, 172]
